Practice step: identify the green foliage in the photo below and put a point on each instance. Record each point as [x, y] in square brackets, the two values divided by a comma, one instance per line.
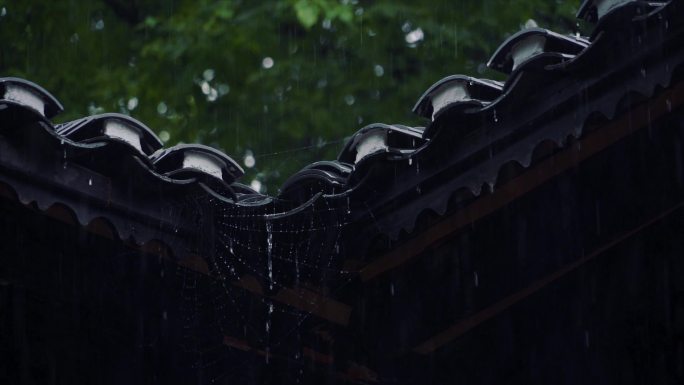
[288, 80]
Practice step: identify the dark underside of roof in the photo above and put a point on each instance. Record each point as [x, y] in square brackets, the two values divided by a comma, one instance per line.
[531, 226]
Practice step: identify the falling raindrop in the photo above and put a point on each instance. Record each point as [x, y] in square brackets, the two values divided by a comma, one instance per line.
[496, 119]
[392, 289]
[90, 181]
[73, 39]
[476, 279]
[410, 161]
[3, 12]
[349, 99]
[668, 104]
[269, 250]
[379, 71]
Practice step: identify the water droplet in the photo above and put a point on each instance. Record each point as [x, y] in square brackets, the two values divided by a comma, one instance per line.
[378, 70]
[410, 161]
[3, 12]
[269, 250]
[668, 104]
[476, 279]
[392, 289]
[496, 119]
[643, 72]
[90, 181]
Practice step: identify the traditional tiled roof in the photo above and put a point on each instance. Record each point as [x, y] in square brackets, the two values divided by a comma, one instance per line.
[475, 129]
[557, 84]
[111, 173]
[386, 174]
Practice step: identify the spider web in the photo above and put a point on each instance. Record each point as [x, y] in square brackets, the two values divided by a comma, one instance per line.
[260, 249]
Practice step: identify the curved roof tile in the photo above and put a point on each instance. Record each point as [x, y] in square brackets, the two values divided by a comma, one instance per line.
[112, 126]
[30, 95]
[529, 43]
[455, 89]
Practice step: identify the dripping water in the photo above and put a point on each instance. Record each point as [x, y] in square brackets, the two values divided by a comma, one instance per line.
[269, 250]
